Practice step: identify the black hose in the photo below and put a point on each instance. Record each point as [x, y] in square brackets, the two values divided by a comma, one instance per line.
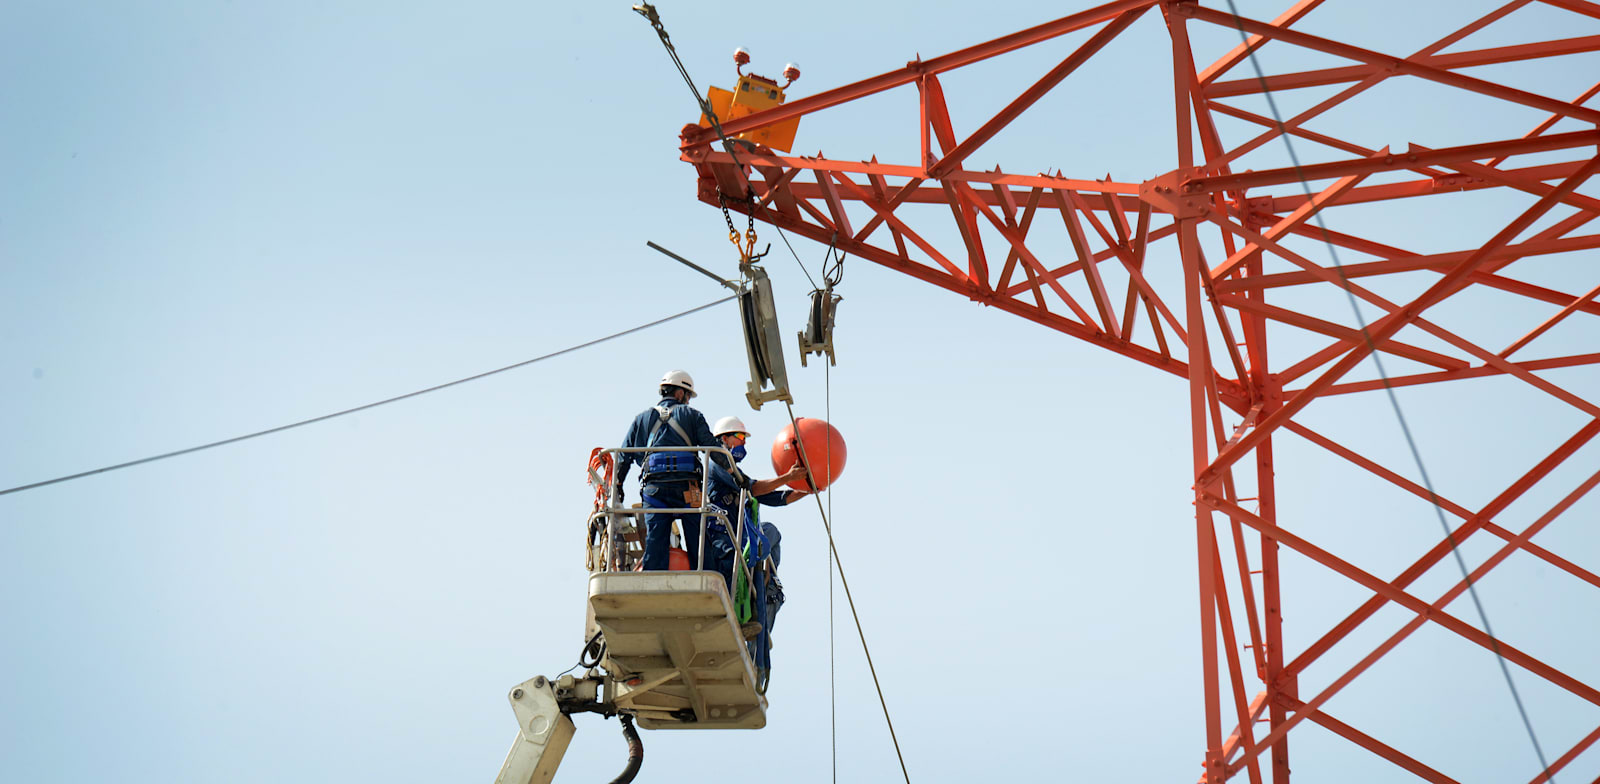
[635, 751]
[593, 651]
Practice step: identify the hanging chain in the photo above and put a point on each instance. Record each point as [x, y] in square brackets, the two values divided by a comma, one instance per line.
[746, 245]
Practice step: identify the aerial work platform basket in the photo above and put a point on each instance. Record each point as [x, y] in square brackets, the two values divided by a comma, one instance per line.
[664, 648]
[675, 651]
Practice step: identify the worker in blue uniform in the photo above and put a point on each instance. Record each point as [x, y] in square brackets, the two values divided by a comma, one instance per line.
[759, 539]
[667, 475]
[726, 481]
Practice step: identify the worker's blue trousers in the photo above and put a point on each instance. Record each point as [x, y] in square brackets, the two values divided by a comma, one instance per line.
[658, 526]
[658, 533]
[719, 554]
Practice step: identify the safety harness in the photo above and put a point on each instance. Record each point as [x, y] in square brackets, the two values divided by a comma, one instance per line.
[667, 462]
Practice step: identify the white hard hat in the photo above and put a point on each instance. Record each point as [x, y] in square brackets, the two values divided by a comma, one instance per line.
[679, 378]
[728, 425]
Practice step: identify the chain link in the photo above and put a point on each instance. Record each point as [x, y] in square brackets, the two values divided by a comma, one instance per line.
[748, 246]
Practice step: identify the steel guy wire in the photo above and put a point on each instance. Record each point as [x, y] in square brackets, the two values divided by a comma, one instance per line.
[325, 417]
[1394, 401]
[649, 12]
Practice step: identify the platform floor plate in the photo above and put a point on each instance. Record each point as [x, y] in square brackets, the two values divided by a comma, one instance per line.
[675, 632]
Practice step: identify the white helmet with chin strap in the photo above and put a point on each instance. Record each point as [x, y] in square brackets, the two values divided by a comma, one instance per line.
[728, 425]
[678, 378]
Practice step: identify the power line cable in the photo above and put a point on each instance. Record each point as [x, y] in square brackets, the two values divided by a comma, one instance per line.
[1394, 401]
[325, 417]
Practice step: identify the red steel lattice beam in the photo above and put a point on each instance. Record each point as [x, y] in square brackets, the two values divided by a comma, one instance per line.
[1087, 255]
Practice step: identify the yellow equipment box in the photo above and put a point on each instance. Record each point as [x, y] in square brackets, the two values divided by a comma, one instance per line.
[753, 94]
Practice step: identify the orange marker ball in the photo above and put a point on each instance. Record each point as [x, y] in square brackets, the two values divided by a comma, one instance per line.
[824, 449]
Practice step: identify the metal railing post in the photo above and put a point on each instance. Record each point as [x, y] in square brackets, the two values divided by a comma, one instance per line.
[703, 510]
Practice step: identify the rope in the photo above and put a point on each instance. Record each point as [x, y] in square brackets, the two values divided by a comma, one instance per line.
[843, 581]
[1394, 403]
[386, 401]
[833, 716]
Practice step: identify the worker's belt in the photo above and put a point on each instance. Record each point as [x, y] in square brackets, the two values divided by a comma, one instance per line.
[671, 463]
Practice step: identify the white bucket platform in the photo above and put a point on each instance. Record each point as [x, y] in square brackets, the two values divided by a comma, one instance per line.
[675, 649]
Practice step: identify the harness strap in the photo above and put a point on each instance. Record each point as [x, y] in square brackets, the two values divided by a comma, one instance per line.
[664, 416]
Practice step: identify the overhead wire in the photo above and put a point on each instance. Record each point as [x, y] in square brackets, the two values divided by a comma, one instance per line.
[1394, 401]
[386, 401]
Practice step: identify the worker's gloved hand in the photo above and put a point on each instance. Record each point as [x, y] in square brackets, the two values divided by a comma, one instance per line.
[616, 495]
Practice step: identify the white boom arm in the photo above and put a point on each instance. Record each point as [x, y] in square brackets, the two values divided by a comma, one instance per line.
[543, 733]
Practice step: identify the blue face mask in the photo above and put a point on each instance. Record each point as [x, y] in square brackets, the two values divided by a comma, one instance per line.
[738, 453]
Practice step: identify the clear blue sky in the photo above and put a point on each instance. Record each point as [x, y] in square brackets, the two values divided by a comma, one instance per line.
[223, 217]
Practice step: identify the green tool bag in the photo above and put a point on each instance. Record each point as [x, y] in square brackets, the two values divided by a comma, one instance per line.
[743, 590]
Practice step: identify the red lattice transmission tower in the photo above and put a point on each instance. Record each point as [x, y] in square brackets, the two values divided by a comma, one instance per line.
[1228, 243]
